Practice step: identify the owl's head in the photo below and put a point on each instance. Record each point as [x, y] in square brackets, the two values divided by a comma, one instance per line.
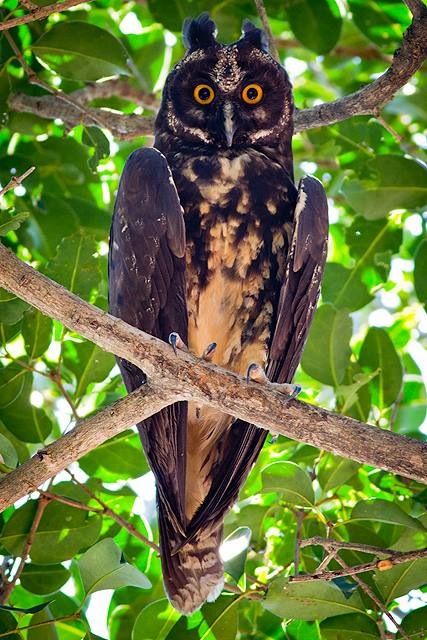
[226, 96]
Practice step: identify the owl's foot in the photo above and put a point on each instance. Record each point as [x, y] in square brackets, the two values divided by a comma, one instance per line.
[208, 353]
[176, 342]
[257, 374]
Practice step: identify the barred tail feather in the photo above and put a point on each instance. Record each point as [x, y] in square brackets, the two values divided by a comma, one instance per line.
[194, 574]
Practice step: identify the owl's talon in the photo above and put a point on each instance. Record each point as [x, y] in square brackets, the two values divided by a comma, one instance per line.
[176, 342]
[256, 373]
[208, 353]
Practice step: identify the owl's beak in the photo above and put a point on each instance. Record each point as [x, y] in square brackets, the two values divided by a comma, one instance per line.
[229, 123]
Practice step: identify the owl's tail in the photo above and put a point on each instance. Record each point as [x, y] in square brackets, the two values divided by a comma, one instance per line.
[194, 574]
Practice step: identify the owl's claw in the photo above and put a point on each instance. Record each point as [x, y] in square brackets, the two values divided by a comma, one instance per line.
[208, 353]
[176, 342]
[257, 374]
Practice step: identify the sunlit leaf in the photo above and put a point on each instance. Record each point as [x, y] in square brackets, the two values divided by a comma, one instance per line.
[332, 329]
[291, 481]
[307, 19]
[354, 625]
[117, 459]
[81, 51]
[308, 600]
[378, 354]
[37, 333]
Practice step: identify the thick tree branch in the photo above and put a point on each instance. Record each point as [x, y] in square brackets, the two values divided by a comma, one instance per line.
[369, 100]
[40, 12]
[185, 377]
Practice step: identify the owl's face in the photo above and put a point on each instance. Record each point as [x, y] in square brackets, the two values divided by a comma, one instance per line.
[227, 95]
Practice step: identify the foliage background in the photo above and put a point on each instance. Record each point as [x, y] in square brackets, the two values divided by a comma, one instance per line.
[364, 357]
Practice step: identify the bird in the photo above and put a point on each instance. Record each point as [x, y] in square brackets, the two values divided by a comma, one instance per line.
[214, 249]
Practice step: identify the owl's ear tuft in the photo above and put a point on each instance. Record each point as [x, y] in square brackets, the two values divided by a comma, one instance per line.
[253, 35]
[199, 33]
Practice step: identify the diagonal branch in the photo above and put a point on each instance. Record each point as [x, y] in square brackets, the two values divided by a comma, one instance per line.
[38, 13]
[183, 377]
[368, 100]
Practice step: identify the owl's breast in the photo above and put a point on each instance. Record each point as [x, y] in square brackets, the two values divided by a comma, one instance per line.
[238, 214]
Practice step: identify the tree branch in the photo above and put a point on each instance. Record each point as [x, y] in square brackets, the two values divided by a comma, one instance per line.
[369, 100]
[183, 377]
[40, 12]
[260, 7]
[15, 181]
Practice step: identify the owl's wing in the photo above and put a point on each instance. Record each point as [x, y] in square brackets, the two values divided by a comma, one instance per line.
[303, 276]
[147, 290]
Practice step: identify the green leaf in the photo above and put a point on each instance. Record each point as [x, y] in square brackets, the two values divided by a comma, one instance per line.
[44, 579]
[172, 13]
[120, 458]
[95, 138]
[400, 579]
[81, 51]
[344, 287]
[74, 265]
[155, 621]
[378, 354]
[26, 422]
[334, 471]
[354, 625]
[88, 362]
[394, 182]
[100, 569]
[291, 481]
[35, 609]
[13, 381]
[8, 623]
[308, 18]
[384, 511]
[234, 550]
[11, 223]
[63, 532]
[44, 632]
[8, 455]
[332, 328]
[309, 601]
[382, 22]
[37, 333]
[420, 271]
[415, 624]
[371, 244]
[11, 308]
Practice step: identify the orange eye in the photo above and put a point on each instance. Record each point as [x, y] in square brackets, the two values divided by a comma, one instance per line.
[252, 93]
[203, 94]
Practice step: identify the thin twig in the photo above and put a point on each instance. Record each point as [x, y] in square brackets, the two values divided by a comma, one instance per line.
[398, 139]
[266, 26]
[374, 598]
[115, 516]
[44, 623]
[8, 587]
[40, 12]
[15, 181]
[333, 547]
[331, 544]
[56, 378]
[300, 515]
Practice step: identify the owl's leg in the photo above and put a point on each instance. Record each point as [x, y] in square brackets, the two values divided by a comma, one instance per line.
[177, 342]
[257, 374]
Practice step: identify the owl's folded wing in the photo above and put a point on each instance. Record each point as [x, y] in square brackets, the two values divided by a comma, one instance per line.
[147, 290]
[303, 276]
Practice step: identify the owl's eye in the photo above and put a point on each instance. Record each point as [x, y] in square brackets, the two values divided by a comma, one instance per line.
[252, 93]
[203, 94]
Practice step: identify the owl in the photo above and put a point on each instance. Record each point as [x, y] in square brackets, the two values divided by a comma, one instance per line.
[214, 249]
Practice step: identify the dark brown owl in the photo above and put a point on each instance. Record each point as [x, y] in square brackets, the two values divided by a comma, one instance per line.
[211, 242]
